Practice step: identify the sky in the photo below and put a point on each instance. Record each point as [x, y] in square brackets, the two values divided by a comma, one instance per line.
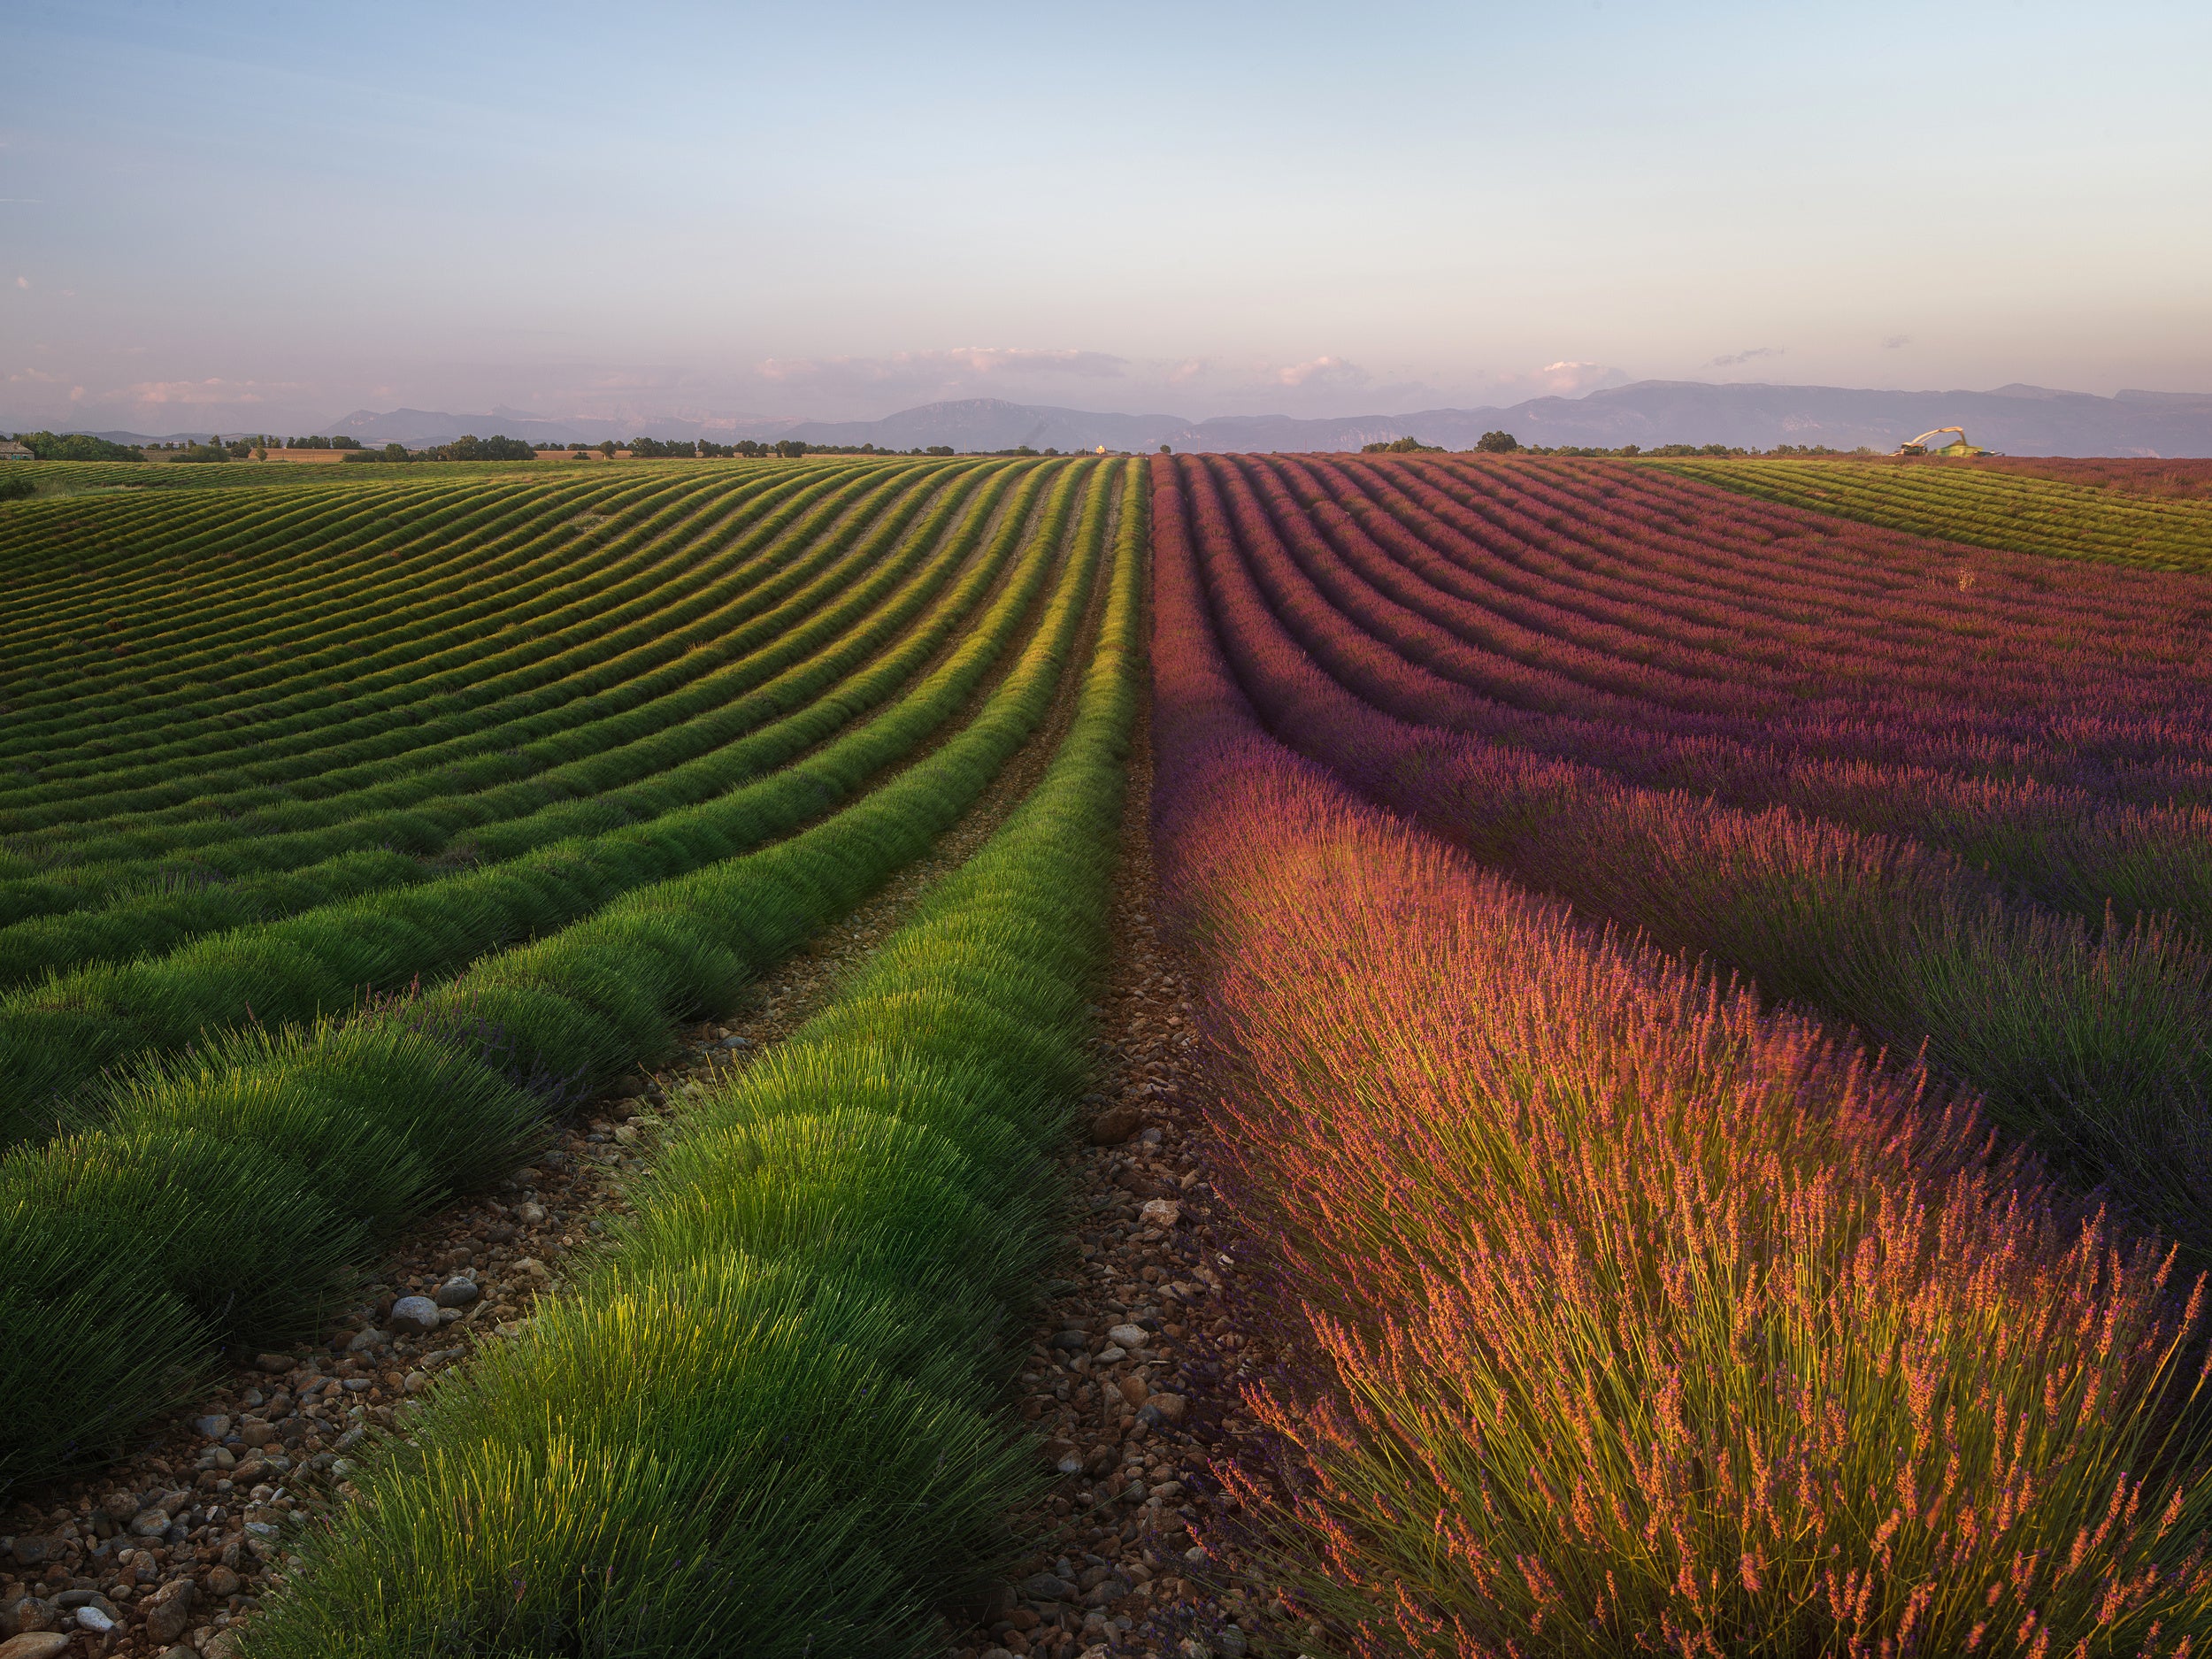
[256, 216]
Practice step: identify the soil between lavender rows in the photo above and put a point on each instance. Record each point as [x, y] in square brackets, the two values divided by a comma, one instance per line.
[1134, 1430]
[171, 1548]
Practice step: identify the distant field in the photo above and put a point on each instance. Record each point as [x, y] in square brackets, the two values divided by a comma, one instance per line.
[1705, 966]
[1623, 1307]
[2173, 480]
[2143, 513]
[74, 477]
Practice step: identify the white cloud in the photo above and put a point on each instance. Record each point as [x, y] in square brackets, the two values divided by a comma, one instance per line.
[911, 368]
[211, 391]
[1321, 371]
[1735, 357]
[1569, 378]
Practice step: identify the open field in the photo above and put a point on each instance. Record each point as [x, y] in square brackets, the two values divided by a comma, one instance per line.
[1672, 1110]
[2157, 514]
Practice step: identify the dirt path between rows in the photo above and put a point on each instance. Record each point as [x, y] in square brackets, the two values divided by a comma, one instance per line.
[1131, 1380]
[161, 1553]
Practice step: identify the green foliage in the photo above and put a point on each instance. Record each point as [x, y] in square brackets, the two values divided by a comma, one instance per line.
[315, 963]
[1986, 507]
[75, 445]
[1497, 443]
[340, 1131]
[471, 448]
[764, 1425]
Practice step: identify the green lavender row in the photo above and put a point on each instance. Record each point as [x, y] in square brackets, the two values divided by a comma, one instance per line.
[535, 572]
[768, 1421]
[547, 757]
[223, 1191]
[1989, 508]
[55, 1038]
[625, 769]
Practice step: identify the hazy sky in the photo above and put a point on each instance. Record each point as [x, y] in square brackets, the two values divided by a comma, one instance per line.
[238, 214]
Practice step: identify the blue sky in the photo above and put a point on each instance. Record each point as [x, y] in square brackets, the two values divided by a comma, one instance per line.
[225, 215]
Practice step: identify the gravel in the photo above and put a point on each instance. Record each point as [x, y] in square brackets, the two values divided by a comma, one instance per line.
[1130, 1384]
[282, 1425]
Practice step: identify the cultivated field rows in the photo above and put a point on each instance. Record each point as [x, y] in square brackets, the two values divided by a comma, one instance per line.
[1635, 1303]
[1703, 982]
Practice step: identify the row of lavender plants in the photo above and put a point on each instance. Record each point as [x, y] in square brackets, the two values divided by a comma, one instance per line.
[2090, 1039]
[1624, 1314]
[2039, 811]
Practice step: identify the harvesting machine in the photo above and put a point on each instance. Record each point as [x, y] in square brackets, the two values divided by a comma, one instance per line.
[1957, 446]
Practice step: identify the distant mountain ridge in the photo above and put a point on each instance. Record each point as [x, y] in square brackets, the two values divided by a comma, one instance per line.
[2017, 419]
[2020, 420]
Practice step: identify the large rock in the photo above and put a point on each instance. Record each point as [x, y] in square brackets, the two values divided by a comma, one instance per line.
[26, 1614]
[150, 1523]
[44, 1643]
[170, 1610]
[1115, 1125]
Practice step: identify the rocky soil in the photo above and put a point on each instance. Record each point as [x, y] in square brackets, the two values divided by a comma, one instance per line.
[1131, 1380]
[164, 1552]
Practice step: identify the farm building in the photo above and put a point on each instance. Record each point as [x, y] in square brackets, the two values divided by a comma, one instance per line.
[10, 450]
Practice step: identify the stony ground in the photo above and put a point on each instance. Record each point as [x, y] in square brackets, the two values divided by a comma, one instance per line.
[1130, 1384]
[171, 1548]
[1131, 1380]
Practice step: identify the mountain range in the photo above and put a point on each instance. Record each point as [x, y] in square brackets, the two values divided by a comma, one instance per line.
[2014, 420]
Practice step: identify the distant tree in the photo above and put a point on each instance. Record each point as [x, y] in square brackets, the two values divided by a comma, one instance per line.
[75, 445]
[1497, 443]
[938, 449]
[472, 448]
[1402, 446]
[239, 449]
[607, 446]
[343, 442]
[790, 449]
[1165, 451]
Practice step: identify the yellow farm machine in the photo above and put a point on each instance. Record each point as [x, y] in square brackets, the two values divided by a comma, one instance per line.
[1957, 446]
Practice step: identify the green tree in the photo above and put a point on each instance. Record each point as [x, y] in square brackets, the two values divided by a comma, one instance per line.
[1497, 443]
[76, 446]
